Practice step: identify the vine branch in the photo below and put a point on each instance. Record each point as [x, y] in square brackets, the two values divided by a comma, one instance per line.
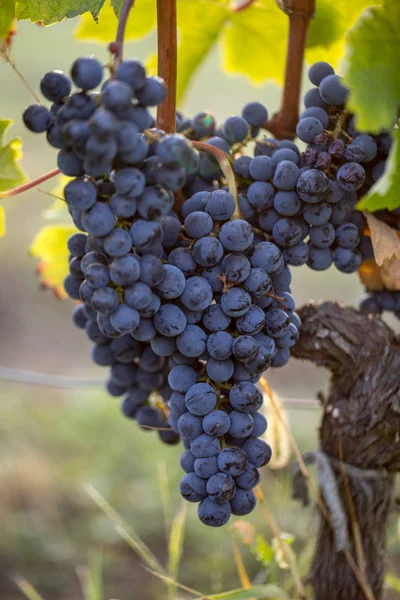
[283, 124]
[30, 184]
[117, 47]
[167, 62]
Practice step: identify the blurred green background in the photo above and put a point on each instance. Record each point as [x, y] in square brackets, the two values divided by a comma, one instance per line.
[53, 441]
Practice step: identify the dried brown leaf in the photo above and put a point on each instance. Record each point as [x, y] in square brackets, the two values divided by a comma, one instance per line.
[385, 240]
[390, 273]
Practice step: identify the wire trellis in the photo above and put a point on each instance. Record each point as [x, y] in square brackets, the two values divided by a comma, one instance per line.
[66, 382]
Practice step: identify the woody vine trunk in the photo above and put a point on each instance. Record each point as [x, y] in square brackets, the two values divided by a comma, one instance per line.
[361, 427]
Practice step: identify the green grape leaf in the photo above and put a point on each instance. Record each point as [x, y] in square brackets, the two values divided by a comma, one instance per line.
[372, 67]
[116, 5]
[49, 11]
[385, 193]
[50, 247]
[11, 173]
[142, 21]
[7, 14]
[327, 34]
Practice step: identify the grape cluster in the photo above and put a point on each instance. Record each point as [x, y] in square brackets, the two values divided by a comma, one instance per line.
[120, 198]
[232, 321]
[186, 310]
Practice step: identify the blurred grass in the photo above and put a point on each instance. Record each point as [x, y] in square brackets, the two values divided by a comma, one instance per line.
[53, 442]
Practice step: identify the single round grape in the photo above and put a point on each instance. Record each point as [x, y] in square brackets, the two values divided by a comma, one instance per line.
[235, 129]
[333, 91]
[323, 236]
[235, 302]
[197, 294]
[260, 194]
[200, 398]
[232, 461]
[351, 176]
[318, 71]
[173, 284]
[317, 214]
[198, 224]
[193, 488]
[212, 513]
[220, 205]
[216, 423]
[207, 251]
[244, 397]
[189, 426]
[170, 320]
[287, 232]
[317, 113]
[37, 118]
[181, 378]
[215, 319]
[86, 73]
[319, 259]
[205, 446]
[286, 175]
[255, 114]
[308, 128]
[250, 478]
[221, 487]
[346, 260]
[243, 502]
[236, 236]
[220, 370]
[258, 452]
[296, 255]
[125, 319]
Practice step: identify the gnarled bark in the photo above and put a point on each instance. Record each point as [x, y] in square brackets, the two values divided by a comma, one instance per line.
[361, 427]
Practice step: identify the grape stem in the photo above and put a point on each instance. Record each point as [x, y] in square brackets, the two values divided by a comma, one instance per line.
[226, 167]
[30, 184]
[116, 47]
[167, 62]
[283, 124]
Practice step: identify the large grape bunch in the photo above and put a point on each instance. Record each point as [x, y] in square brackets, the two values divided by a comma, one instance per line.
[187, 310]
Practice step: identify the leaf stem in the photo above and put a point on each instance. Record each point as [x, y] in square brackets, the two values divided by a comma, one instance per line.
[167, 62]
[117, 47]
[226, 168]
[30, 184]
[283, 124]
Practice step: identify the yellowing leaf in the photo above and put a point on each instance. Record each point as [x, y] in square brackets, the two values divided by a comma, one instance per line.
[142, 20]
[372, 67]
[50, 247]
[7, 13]
[11, 173]
[49, 11]
[385, 193]
[199, 25]
[254, 43]
[369, 274]
[2, 221]
[385, 240]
